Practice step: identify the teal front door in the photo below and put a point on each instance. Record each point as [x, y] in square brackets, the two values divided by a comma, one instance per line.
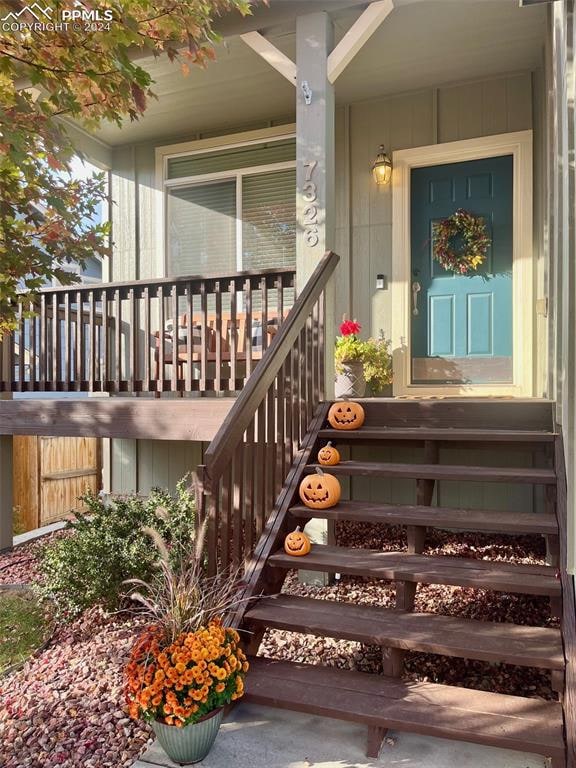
[462, 324]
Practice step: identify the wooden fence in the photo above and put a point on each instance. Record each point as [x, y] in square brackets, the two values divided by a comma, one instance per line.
[50, 473]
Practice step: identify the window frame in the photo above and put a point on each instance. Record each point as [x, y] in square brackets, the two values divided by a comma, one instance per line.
[252, 138]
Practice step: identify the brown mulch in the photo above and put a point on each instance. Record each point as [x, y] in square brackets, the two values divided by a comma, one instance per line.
[20, 565]
[457, 601]
[64, 706]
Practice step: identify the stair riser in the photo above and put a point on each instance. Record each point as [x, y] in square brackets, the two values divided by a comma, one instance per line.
[429, 520]
[439, 472]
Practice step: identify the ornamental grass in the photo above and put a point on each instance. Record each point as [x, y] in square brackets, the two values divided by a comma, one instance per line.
[188, 662]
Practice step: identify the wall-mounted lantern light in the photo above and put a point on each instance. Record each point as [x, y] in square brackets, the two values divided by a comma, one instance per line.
[382, 167]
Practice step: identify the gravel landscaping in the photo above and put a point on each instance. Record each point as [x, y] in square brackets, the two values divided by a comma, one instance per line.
[64, 706]
[20, 566]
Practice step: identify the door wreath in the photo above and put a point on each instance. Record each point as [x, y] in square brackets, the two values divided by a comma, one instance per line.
[472, 230]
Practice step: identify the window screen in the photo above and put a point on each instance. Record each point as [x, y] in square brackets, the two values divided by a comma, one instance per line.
[232, 159]
[202, 228]
[269, 220]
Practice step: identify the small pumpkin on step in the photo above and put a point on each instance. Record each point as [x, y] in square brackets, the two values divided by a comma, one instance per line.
[320, 490]
[346, 414]
[328, 456]
[297, 543]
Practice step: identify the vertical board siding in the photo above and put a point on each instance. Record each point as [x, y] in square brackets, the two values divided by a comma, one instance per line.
[449, 113]
[162, 463]
[140, 465]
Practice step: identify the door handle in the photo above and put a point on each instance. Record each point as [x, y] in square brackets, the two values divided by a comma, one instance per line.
[416, 288]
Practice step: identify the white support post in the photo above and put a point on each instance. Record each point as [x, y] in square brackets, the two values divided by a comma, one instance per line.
[271, 54]
[314, 144]
[315, 162]
[315, 118]
[356, 37]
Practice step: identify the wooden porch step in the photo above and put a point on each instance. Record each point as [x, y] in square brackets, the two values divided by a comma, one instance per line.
[426, 632]
[513, 523]
[425, 569]
[442, 472]
[499, 720]
[367, 434]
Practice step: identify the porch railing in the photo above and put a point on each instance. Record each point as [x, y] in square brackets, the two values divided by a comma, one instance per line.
[194, 334]
[247, 463]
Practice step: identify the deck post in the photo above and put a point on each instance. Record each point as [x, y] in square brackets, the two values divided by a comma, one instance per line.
[315, 162]
[6, 497]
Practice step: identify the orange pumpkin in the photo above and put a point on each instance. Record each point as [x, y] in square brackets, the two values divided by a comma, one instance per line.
[297, 543]
[328, 455]
[346, 415]
[320, 491]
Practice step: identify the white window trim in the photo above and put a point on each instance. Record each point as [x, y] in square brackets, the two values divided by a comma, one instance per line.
[202, 146]
[519, 145]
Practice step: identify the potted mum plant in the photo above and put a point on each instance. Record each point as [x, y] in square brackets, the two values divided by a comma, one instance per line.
[359, 363]
[188, 664]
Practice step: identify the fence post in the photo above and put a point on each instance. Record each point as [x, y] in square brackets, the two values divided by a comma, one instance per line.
[6, 496]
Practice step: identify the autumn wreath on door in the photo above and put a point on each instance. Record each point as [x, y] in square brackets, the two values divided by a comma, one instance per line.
[461, 242]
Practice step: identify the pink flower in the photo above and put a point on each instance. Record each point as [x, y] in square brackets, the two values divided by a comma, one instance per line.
[350, 328]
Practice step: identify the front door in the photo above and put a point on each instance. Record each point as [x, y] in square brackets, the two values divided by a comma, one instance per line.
[461, 325]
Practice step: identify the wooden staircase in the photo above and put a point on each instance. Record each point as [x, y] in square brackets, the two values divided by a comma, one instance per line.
[390, 701]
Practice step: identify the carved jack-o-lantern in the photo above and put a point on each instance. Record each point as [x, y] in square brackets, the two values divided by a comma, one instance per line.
[320, 491]
[297, 543]
[328, 455]
[346, 415]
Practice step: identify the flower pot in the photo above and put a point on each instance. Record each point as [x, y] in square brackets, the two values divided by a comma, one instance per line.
[351, 382]
[191, 743]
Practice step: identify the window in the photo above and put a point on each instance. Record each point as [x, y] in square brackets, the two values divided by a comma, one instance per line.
[232, 209]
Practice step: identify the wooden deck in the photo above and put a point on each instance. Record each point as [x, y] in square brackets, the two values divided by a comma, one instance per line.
[125, 417]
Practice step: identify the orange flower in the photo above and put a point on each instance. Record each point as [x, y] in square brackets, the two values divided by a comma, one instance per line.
[175, 681]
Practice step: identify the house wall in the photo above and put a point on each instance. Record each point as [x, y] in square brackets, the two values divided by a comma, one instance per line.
[137, 466]
[560, 222]
[363, 236]
[364, 210]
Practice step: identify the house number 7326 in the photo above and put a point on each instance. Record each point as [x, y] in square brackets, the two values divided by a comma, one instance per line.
[310, 212]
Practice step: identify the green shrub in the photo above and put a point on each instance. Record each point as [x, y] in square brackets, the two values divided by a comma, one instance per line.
[107, 545]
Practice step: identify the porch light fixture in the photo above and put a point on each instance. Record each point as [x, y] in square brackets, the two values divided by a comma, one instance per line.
[382, 167]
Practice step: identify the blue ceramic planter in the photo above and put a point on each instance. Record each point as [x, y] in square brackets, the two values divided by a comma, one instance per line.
[191, 743]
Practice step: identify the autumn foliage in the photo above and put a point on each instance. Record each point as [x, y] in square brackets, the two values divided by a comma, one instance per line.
[88, 75]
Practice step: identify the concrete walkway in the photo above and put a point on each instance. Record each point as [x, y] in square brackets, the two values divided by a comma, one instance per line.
[259, 737]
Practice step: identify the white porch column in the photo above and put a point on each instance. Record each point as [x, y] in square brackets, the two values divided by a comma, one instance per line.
[315, 161]
[315, 120]
[314, 143]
